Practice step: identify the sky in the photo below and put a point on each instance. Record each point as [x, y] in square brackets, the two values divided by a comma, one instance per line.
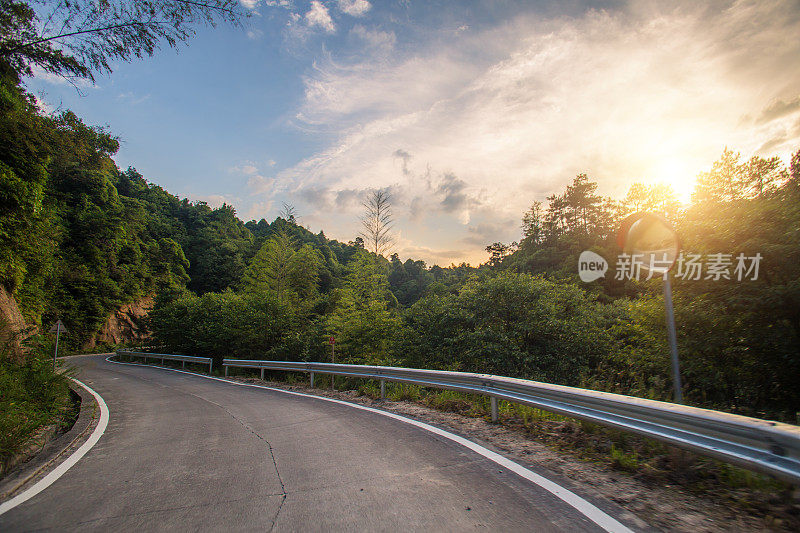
[466, 111]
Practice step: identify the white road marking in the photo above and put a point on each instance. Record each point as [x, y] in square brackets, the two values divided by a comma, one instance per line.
[62, 468]
[592, 512]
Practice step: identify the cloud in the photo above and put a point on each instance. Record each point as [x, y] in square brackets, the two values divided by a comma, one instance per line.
[132, 99]
[54, 79]
[431, 256]
[779, 109]
[499, 116]
[405, 157]
[257, 184]
[348, 199]
[374, 41]
[355, 8]
[491, 230]
[258, 210]
[318, 15]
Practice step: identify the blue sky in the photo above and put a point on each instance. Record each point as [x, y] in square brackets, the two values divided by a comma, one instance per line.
[467, 111]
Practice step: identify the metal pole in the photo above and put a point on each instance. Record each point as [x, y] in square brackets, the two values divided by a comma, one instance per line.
[262, 374]
[333, 360]
[312, 380]
[55, 354]
[495, 414]
[673, 339]
[383, 389]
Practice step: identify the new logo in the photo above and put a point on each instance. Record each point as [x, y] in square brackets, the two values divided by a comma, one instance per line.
[591, 266]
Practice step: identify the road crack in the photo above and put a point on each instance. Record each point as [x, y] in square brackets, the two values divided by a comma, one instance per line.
[245, 425]
[269, 447]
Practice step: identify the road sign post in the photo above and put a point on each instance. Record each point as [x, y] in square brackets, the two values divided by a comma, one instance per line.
[57, 328]
[332, 342]
[654, 241]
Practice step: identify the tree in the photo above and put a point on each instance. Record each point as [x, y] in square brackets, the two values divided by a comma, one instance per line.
[499, 251]
[377, 221]
[288, 213]
[723, 183]
[362, 320]
[532, 224]
[80, 37]
[292, 275]
[659, 198]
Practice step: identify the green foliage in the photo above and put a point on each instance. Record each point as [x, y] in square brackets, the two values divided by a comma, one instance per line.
[31, 396]
[512, 325]
[219, 325]
[362, 320]
[278, 267]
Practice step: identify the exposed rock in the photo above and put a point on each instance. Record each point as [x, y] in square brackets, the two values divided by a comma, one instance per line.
[124, 325]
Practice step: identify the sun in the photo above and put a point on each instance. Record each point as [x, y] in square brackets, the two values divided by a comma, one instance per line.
[678, 174]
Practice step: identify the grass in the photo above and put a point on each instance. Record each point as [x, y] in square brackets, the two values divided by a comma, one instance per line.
[32, 397]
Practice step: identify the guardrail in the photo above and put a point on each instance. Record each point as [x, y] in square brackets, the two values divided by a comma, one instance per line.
[769, 447]
[170, 357]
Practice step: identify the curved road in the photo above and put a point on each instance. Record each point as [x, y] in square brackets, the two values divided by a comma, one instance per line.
[186, 453]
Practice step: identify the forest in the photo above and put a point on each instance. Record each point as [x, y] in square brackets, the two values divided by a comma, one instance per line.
[80, 237]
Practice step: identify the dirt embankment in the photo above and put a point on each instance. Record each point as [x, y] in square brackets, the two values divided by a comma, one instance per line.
[13, 328]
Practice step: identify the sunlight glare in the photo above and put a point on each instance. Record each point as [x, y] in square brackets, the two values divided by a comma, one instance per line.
[678, 175]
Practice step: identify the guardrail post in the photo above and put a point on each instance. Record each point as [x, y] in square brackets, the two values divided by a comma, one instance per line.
[312, 380]
[162, 361]
[262, 374]
[383, 389]
[183, 365]
[226, 371]
[495, 414]
[210, 364]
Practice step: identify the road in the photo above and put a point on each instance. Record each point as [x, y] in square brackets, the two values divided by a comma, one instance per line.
[182, 452]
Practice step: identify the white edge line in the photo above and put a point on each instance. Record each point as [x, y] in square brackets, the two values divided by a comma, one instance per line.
[593, 513]
[62, 468]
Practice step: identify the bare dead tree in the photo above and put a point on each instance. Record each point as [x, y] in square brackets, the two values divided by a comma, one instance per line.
[377, 221]
[288, 213]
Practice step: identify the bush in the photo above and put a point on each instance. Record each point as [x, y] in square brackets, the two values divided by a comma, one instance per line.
[31, 396]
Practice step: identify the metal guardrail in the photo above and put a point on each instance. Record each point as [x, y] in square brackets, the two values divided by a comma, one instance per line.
[170, 357]
[769, 447]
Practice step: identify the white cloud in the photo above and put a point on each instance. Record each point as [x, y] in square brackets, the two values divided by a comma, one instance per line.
[355, 8]
[258, 210]
[55, 79]
[318, 15]
[132, 99]
[374, 41]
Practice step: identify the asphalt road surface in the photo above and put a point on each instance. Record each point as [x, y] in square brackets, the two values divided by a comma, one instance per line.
[186, 453]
